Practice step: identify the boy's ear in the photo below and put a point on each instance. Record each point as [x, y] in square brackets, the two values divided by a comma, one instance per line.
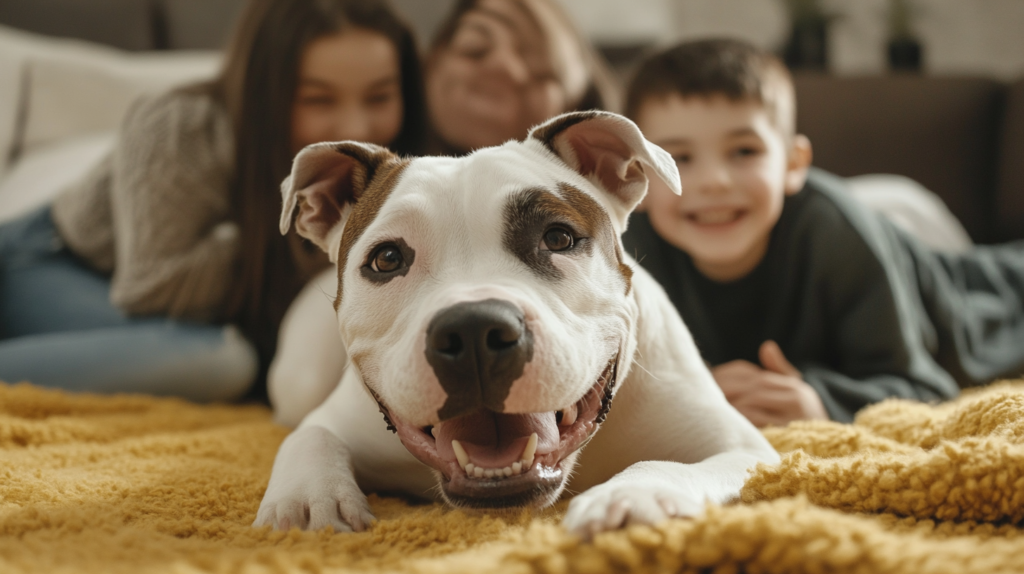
[798, 163]
[326, 180]
[609, 150]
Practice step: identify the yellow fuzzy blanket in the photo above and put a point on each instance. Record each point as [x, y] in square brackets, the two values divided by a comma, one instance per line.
[135, 484]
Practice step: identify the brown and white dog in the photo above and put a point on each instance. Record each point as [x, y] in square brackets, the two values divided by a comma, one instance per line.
[491, 316]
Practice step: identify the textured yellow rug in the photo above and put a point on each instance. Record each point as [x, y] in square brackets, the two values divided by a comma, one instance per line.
[135, 484]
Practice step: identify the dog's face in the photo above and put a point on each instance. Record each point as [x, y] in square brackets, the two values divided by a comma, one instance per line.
[485, 299]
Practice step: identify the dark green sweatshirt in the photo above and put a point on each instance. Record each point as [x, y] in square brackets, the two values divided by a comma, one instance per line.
[864, 310]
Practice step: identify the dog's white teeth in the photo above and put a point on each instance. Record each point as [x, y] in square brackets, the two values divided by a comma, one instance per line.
[474, 471]
[523, 464]
[569, 416]
[460, 453]
[531, 449]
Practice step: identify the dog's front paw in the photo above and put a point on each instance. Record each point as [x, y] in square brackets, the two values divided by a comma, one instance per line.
[630, 499]
[312, 487]
[315, 505]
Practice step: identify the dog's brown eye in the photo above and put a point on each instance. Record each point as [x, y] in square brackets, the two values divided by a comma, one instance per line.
[386, 259]
[557, 239]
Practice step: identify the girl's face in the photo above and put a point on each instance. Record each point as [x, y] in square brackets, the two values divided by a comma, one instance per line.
[349, 88]
[500, 74]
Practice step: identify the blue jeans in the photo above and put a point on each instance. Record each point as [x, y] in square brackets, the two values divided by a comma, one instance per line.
[59, 329]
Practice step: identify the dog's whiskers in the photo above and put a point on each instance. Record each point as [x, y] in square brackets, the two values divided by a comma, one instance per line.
[584, 401]
[642, 368]
[438, 491]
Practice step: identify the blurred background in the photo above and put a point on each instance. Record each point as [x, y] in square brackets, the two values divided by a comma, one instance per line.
[927, 89]
[973, 37]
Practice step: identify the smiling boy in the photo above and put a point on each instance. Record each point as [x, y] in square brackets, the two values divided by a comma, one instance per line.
[805, 304]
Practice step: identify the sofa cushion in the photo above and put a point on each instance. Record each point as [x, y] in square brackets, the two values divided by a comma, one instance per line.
[17, 49]
[11, 72]
[939, 131]
[64, 88]
[74, 92]
[44, 173]
[1010, 185]
[61, 99]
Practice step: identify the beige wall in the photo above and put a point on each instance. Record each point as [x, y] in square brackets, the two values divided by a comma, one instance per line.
[976, 37]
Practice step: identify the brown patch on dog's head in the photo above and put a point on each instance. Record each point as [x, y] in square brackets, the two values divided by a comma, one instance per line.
[530, 213]
[365, 210]
[338, 187]
[594, 212]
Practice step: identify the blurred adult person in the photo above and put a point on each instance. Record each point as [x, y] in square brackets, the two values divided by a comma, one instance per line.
[498, 67]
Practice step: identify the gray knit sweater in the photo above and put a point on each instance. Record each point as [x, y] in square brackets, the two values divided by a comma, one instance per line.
[155, 212]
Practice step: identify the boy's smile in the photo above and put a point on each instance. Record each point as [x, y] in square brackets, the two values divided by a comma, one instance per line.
[715, 219]
[736, 169]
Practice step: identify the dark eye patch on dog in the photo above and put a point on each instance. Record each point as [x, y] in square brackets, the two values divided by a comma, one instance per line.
[534, 217]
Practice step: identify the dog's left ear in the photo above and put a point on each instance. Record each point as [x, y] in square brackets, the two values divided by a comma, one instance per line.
[326, 180]
[609, 150]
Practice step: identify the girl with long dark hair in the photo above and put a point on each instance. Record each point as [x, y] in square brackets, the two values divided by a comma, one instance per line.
[163, 272]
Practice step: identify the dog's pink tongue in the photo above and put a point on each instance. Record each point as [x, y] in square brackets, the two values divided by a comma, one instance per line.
[496, 440]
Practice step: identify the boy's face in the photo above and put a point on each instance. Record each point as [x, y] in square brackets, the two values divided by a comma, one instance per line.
[736, 169]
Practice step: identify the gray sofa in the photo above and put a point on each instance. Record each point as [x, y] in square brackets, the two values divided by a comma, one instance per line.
[963, 138]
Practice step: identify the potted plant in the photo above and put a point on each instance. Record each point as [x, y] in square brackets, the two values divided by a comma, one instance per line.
[904, 49]
[807, 47]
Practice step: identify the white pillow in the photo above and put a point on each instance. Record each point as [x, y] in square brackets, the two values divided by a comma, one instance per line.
[42, 174]
[13, 48]
[17, 50]
[10, 88]
[73, 94]
[69, 88]
[914, 208]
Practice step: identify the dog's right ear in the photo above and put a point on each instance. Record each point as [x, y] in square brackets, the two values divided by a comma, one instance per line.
[326, 180]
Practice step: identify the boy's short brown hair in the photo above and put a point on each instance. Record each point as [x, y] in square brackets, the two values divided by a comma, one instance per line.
[734, 69]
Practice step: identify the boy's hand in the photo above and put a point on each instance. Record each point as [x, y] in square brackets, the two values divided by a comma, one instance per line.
[773, 395]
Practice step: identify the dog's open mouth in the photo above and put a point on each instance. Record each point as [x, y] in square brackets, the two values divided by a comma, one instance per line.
[495, 460]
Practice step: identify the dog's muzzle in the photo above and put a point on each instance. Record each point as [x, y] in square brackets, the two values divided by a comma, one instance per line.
[485, 457]
[477, 350]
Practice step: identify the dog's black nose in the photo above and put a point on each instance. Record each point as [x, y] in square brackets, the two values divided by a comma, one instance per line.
[477, 350]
